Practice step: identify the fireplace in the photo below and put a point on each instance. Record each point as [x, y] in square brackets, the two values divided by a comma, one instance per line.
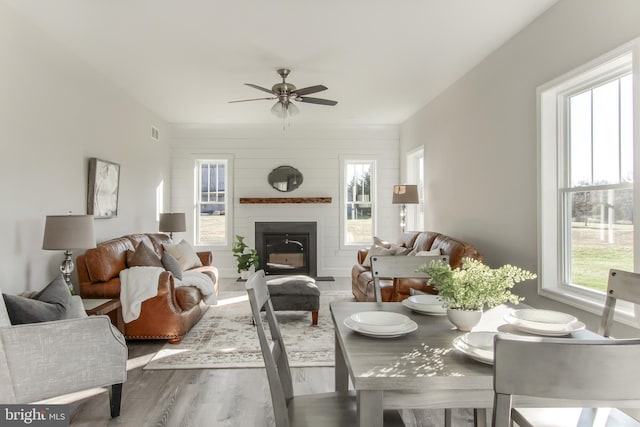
[287, 247]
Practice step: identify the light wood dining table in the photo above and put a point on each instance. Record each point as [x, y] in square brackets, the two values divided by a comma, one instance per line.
[418, 370]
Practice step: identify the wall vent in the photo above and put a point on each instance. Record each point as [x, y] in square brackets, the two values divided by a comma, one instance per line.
[155, 133]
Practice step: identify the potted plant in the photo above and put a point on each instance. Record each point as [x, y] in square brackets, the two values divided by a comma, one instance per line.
[465, 291]
[245, 256]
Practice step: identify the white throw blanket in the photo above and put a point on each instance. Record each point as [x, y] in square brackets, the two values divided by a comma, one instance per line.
[199, 280]
[137, 284]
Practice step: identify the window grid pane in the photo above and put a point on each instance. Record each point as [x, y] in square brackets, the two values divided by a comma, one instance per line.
[601, 235]
[359, 203]
[212, 206]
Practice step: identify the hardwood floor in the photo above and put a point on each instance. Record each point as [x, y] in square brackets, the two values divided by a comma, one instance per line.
[213, 397]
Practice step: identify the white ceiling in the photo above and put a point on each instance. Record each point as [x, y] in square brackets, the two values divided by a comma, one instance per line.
[185, 59]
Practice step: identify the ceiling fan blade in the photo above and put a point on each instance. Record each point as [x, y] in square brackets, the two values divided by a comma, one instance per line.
[309, 90]
[254, 99]
[264, 89]
[316, 100]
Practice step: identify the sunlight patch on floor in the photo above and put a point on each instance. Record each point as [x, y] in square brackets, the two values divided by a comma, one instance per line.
[233, 300]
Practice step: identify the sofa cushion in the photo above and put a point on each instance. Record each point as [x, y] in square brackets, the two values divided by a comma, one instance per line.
[171, 264]
[184, 253]
[143, 256]
[408, 238]
[380, 250]
[108, 259]
[51, 303]
[455, 249]
[424, 241]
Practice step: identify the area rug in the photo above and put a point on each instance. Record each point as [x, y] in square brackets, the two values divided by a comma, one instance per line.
[226, 338]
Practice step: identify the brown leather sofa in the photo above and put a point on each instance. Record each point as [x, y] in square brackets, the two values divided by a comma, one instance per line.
[398, 289]
[170, 314]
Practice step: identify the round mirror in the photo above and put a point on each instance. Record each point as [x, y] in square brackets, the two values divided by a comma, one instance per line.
[285, 178]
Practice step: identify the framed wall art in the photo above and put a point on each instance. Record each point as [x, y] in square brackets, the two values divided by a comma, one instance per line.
[104, 180]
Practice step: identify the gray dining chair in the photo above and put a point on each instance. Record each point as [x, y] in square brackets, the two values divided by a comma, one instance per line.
[391, 267]
[567, 373]
[337, 409]
[622, 285]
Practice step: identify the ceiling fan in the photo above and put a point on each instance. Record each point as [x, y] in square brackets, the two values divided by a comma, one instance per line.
[286, 93]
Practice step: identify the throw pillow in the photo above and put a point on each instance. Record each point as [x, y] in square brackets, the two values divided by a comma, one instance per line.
[379, 242]
[172, 265]
[143, 256]
[432, 252]
[392, 250]
[52, 303]
[375, 250]
[184, 253]
[399, 250]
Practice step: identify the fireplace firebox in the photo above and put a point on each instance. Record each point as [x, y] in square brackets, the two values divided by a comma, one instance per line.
[287, 247]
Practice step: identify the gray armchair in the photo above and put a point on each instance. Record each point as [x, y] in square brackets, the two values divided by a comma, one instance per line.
[43, 360]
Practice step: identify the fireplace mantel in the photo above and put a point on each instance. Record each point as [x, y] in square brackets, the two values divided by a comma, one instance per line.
[266, 200]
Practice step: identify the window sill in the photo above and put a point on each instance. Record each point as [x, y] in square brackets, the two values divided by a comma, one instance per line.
[624, 312]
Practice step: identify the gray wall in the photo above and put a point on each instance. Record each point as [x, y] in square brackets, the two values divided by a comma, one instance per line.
[479, 135]
[56, 113]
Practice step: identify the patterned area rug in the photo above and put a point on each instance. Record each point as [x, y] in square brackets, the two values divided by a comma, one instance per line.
[226, 338]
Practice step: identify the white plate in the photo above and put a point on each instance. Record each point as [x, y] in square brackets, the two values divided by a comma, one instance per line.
[548, 326]
[547, 319]
[482, 340]
[481, 355]
[431, 309]
[407, 328]
[380, 321]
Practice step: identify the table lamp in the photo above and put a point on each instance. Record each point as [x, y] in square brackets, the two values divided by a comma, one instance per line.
[405, 195]
[170, 222]
[67, 232]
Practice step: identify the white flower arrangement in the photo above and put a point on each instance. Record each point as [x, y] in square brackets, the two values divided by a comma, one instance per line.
[475, 284]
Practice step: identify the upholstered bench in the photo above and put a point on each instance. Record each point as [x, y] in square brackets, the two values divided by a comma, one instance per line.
[295, 293]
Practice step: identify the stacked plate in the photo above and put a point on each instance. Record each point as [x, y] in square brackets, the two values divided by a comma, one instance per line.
[380, 324]
[425, 304]
[544, 322]
[477, 345]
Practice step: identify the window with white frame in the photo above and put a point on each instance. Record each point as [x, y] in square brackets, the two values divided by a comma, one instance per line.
[359, 201]
[415, 175]
[587, 168]
[211, 202]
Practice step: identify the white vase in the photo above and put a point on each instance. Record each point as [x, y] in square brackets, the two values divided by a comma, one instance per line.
[244, 274]
[464, 320]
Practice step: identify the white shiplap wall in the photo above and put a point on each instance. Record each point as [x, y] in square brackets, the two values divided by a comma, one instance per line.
[315, 151]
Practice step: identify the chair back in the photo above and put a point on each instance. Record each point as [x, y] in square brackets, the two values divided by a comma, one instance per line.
[581, 373]
[390, 267]
[273, 352]
[622, 285]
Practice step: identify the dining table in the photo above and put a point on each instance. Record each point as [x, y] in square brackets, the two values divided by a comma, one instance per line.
[417, 370]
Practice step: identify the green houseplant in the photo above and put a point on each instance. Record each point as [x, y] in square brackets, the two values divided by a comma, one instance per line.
[474, 285]
[245, 256]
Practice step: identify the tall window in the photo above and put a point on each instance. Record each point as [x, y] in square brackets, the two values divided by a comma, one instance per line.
[587, 173]
[598, 220]
[211, 206]
[415, 175]
[359, 206]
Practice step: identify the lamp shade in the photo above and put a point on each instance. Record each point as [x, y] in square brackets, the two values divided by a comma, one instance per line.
[405, 194]
[170, 222]
[65, 232]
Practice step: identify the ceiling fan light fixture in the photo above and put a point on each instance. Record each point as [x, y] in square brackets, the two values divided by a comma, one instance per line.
[279, 110]
[292, 109]
[283, 110]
